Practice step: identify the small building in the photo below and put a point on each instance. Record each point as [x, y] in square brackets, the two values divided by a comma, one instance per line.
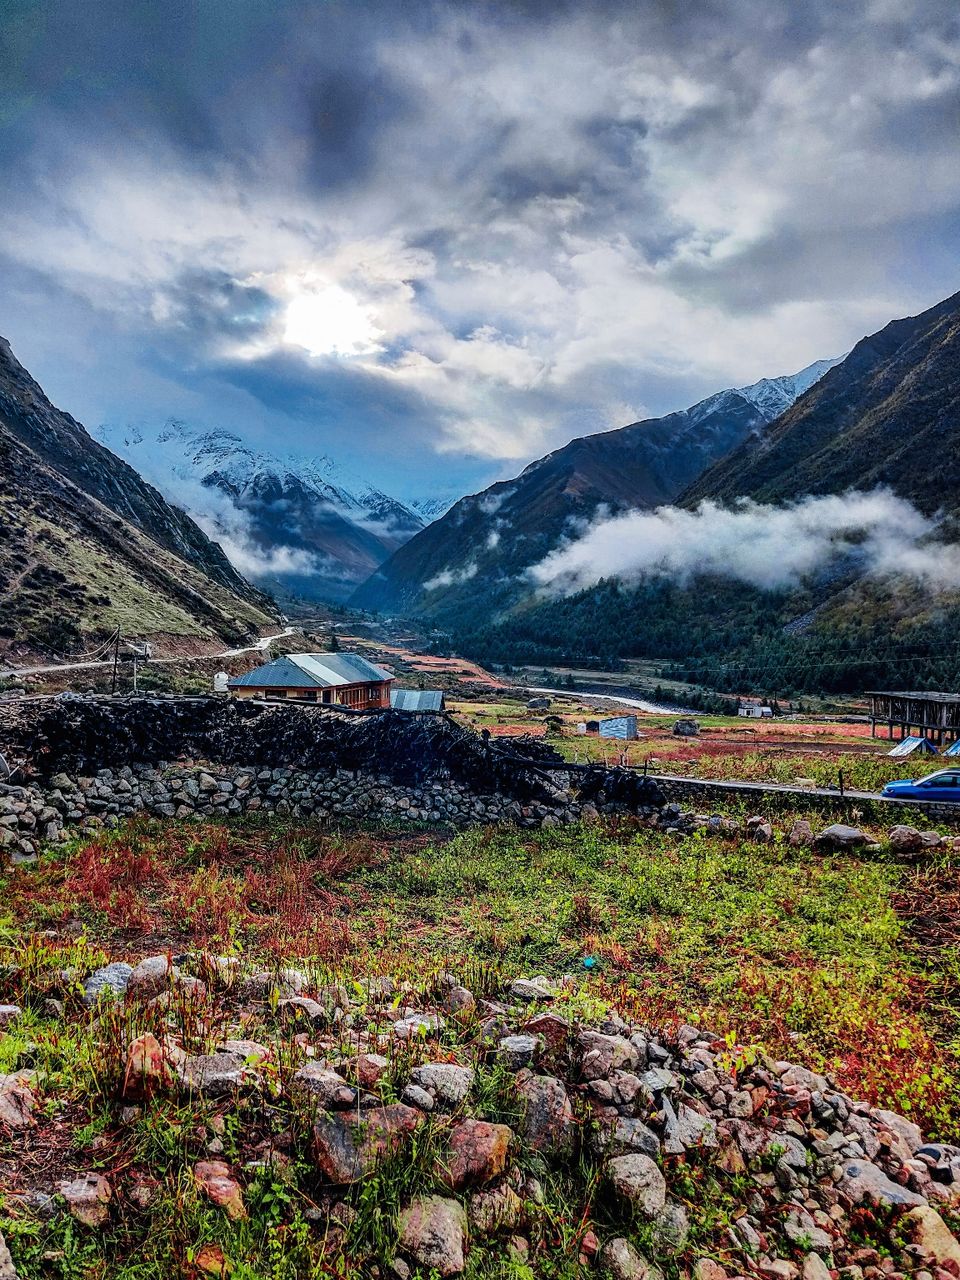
[619, 727]
[331, 679]
[416, 699]
[933, 715]
[755, 710]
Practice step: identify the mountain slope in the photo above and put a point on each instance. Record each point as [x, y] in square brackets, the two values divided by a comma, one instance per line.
[472, 555]
[301, 526]
[887, 415]
[86, 543]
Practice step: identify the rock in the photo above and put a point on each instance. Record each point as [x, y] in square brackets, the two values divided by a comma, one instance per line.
[417, 1025]
[626, 1134]
[317, 1087]
[814, 1268]
[530, 990]
[517, 1052]
[638, 1180]
[620, 1259]
[446, 1083]
[88, 1198]
[345, 1147]
[548, 1124]
[221, 1187]
[111, 981]
[460, 1002]
[903, 839]
[16, 1101]
[7, 1270]
[840, 836]
[498, 1210]
[671, 1227]
[9, 1014]
[553, 1030]
[211, 1260]
[801, 834]
[908, 1132]
[801, 1230]
[477, 1151]
[600, 1054]
[369, 1068]
[433, 1231]
[214, 1075]
[264, 985]
[150, 1068]
[860, 1180]
[707, 1269]
[302, 1009]
[414, 1096]
[150, 977]
[925, 1228]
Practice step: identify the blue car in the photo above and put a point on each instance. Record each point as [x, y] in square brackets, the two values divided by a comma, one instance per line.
[940, 786]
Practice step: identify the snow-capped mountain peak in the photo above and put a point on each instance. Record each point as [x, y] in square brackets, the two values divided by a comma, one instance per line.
[773, 396]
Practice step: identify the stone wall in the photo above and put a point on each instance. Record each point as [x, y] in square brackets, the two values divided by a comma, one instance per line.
[33, 815]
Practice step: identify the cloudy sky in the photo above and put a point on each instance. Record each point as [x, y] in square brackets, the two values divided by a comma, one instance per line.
[437, 240]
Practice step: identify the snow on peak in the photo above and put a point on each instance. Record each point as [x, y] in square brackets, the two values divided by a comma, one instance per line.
[773, 396]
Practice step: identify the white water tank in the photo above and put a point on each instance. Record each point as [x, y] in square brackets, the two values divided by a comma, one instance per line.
[220, 682]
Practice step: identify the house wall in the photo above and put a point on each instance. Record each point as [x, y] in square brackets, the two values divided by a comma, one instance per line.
[358, 697]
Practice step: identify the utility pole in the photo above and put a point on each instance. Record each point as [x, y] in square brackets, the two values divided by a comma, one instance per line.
[116, 659]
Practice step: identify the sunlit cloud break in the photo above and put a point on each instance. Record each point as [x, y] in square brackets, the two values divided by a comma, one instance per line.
[771, 547]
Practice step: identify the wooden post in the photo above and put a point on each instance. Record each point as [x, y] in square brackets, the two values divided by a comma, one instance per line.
[116, 659]
[840, 771]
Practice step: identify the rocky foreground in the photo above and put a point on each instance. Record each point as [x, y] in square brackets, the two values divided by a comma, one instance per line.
[677, 1153]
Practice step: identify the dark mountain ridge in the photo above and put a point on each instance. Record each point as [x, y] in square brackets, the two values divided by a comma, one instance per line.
[86, 543]
[476, 551]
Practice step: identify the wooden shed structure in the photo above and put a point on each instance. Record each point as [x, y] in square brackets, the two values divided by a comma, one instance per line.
[332, 679]
[926, 715]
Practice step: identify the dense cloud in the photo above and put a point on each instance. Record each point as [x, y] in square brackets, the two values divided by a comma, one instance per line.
[438, 240]
[765, 546]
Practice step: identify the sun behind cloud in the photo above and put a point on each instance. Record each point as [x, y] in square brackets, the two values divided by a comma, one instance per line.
[330, 321]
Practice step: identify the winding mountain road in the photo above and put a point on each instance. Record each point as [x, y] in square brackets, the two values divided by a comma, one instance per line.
[261, 646]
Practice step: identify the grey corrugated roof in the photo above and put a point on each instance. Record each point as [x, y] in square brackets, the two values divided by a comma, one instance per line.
[416, 699]
[313, 671]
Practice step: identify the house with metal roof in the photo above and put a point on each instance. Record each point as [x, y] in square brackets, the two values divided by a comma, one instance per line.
[416, 699]
[331, 679]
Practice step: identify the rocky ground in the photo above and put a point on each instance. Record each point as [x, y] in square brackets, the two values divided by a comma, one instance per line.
[263, 1124]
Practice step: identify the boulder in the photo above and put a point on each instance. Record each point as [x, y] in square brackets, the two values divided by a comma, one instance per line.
[346, 1148]
[638, 1180]
[530, 990]
[925, 1228]
[433, 1230]
[150, 977]
[840, 836]
[9, 1014]
[88, 1198]
[219, 1185]
[801, 834]
[517, 1052]
[110, 981]
[316, 1086]
[7, 1270]
[214, 1075]
[499, 1209]
[16, 1101]
[477, 1151]
[600, 1054]
[150, 1068]
[622, 1262]
[447, 1084]
[860, 1180]
[548, 1123]
[624, 1134]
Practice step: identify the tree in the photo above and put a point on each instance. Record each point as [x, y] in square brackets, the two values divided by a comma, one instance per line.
[334, 642]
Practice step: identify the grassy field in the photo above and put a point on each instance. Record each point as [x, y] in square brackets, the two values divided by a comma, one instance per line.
[845, 963]
[833, 958]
